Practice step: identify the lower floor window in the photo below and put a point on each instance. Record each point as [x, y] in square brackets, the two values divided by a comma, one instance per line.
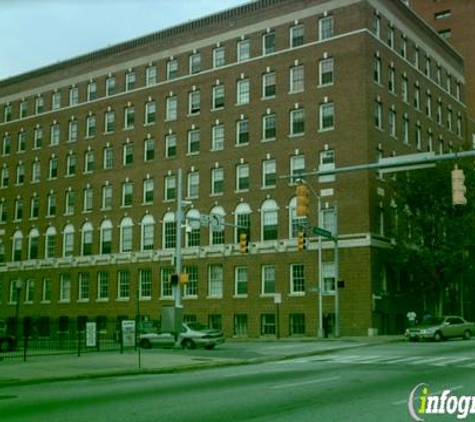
[267, 324]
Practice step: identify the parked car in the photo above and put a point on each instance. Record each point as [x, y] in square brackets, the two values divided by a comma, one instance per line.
[193, 334]
[7, 342]
[441, 328]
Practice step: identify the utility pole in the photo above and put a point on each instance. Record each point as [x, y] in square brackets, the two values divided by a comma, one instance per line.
[178, 264]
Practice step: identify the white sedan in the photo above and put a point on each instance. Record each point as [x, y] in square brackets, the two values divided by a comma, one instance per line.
[192, 335]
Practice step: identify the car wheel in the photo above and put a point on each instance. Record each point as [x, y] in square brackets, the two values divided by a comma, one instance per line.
[438, 336]
[467, 335]
[188, 344]
[145, 343]
[6, 345]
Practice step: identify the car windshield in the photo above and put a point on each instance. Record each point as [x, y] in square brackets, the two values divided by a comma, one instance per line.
[196, 326]
[432, 321]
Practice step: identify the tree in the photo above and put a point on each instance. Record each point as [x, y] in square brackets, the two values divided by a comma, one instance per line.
[433, 239]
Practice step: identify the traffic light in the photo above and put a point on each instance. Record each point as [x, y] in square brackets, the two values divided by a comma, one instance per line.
[184, 278]
[458, 187]
[301, 241]
[243, 243]
[302, 201]
[174, 279]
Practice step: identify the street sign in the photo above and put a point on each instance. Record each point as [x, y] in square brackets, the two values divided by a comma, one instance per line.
[322, 232]
[128, 333]
[277, 298]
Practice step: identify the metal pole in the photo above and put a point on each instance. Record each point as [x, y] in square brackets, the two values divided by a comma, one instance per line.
[179, 220]
[320, 332]
[337, 276]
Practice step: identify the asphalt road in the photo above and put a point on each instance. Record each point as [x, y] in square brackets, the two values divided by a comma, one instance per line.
[364, 384]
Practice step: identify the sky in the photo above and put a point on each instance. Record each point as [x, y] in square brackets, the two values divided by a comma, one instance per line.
[36, 33]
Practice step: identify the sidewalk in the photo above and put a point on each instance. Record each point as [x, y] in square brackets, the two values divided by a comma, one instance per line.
[69, 367]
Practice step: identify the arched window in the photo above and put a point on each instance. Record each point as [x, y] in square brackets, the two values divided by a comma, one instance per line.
[242, 220]
[33, 238]
[193, 231]
[169, 230]
[126, 234]
[106, 237]
[68, 240]
[147, 235]
[86, 239]
[17, 245]
[269, 220]
[50, 242]
[217, 231]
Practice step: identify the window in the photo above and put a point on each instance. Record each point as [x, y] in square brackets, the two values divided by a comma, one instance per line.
[109, 121]
[418, 136]
[102, 285]
[34, 207]
[444, 14]
[73, 131]
[243, 93]
[68, 241]
[242, 177]
[218, 96]
[417, 97]
[51, 204]
[151, 76]
[269, 218]
[39, 104]
[268, 279]
[149, 149]
[128, 154]
[217, 137]
[129, 117]
[376, 27]
[170, 145]
[89, 161]
[106, 237]
[23, 109]
[297, 281]
[17, 246]
[268, 43]
[404, 92]
[3, 212]
[240, 281]
[50, 242]
[172, 108]
[377, 70]
[110, 86]
[147, 226]
[296, 324]
[53, 167]
[193, 233]
[327, 118]
[268, 127]
[20, 174]
[90, 126]
[243, 50]
[242, 132]
[6, 145]
[130, 80]
[195, 64]
[148, 187]
[126, 235]
[297, 79]
[91, 93]
[84, 287]
[46, 290]
[108, 158]
[150, 112]
[326, 72]
[73, 96]
[267, 324]
[194, 141]
[38, 138]
[296, 35]
[217, 232]
[172, 69]
[268, 85]
[428, 105]
[69, 202]
[403, 46]
[427, 67]
[127, 194]
[5, 177]
[219, 58]
[145, 284]
[71, 162]
[405, 129]
[56, 101]
[297, 166]
[391, 80]
[170, 188]
[325, 28]
[215, 281]
[269, 174]
[87, 199]
[217, 181]
[167, 290]
[445, 33]
[297, 122]
[107, 197]
[194, 100]
[193, 184]
[18, 209]
[328, 274]
[191, 288]
[21, 142]
[123, 287]
[169, 230]
[33, 240]
[55, 133]
[64, 287]
[392, 122]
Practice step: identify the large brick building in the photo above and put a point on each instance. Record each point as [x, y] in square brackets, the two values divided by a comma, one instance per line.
[91, 148]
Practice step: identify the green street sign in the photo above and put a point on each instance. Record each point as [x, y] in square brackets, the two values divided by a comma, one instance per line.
[322, 232]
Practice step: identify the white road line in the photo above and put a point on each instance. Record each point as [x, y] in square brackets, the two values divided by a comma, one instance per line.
[451, 361]
[470, 365]
[297, 384]
[405, 360]
[427, 361]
